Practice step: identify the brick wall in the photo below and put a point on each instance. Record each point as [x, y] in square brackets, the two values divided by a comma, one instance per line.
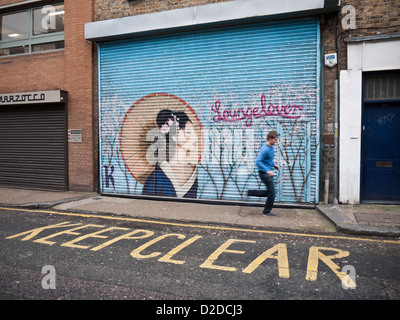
[4, 2]
[70, 70]
[106, 9]
[373, 17]
[328, 31]
[78, 82]
[33, 72]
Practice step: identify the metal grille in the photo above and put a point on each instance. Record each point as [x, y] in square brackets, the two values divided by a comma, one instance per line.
[235, 84]
[33, 147]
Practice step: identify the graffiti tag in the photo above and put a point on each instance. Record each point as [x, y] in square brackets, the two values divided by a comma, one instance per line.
[250, 113]
[108, 176]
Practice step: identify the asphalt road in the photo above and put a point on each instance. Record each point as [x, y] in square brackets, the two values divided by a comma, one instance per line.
[72, 256]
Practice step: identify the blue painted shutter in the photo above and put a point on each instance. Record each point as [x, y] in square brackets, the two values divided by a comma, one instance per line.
[235, 84]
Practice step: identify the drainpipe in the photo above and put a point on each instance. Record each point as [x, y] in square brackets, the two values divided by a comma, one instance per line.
[336, 141]
[326, 190]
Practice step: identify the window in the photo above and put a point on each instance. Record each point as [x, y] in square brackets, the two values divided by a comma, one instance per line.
[32, 30]
[14, 26]
[48, 19]
[378, 87]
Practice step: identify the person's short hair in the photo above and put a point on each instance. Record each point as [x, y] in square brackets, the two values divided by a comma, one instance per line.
[182, 119]
[272, 135]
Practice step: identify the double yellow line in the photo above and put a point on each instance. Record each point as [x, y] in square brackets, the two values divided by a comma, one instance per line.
[199, 226]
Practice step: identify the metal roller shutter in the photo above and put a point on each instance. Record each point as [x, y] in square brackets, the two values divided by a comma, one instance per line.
[33, 147]
[234, 84]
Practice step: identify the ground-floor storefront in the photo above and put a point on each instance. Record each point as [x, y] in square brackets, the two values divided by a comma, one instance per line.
[33, 140]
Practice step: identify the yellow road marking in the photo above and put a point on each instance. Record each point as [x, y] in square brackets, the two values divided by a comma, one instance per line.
[315, 255]
[188, 225]
[209, 263]
[281, 257]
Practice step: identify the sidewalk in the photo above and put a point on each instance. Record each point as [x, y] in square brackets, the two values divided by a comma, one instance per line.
[375, 220]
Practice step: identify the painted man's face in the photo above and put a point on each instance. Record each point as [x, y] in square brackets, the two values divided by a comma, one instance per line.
[187, 137]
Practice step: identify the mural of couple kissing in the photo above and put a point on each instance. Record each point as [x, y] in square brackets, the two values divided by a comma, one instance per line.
[161, 144]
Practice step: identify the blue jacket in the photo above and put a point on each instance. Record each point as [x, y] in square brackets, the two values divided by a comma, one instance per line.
[265, 159]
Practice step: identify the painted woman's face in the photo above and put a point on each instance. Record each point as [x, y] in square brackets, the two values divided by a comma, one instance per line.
[166, 126]
[187, 138]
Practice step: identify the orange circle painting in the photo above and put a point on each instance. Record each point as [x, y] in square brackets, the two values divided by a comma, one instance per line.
[161, 143]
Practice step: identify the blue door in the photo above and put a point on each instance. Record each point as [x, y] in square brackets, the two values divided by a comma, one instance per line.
[380, 162]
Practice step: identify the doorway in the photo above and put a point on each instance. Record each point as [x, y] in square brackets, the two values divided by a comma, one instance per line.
[380, 145]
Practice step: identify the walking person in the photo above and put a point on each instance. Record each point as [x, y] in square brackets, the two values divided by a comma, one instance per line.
[266, 166]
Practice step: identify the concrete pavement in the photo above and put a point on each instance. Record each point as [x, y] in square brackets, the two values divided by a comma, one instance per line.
[372, 220]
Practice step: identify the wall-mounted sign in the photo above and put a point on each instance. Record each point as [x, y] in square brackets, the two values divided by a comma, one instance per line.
[74, 135]
[35, 97]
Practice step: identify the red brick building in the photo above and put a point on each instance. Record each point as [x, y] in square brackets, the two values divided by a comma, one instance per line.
[46, 95]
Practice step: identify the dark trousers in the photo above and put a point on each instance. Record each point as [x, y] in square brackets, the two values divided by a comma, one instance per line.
[270, 185]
